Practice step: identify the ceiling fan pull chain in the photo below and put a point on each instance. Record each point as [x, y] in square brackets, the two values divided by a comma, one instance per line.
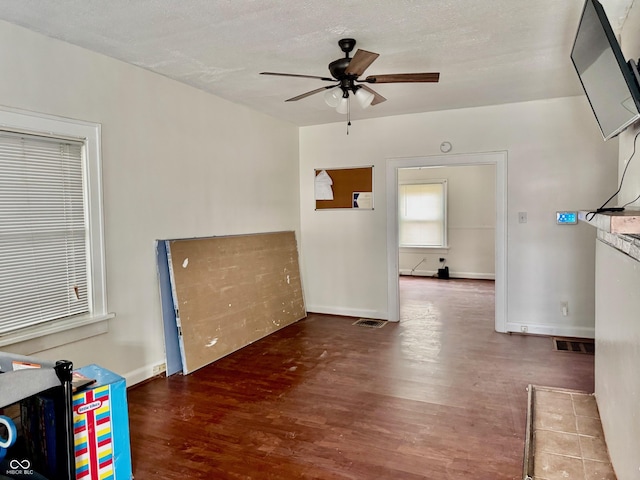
[348, 114]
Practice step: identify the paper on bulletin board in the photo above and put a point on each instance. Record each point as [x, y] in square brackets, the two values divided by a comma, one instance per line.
[363, 200]
[323, 190]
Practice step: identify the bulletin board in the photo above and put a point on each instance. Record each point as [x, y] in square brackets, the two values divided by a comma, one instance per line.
[350, 188]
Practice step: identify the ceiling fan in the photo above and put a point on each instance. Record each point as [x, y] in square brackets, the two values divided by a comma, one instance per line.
[347, 71]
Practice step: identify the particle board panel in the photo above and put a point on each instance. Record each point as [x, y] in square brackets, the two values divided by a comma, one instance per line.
[231, 291]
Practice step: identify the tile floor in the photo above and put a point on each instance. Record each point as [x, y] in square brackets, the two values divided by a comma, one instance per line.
[568, 442]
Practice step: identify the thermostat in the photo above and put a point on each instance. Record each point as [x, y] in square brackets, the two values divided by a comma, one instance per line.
[566, 218]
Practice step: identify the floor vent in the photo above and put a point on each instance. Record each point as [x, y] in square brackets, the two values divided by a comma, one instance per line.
[368, 322]
[574, 345]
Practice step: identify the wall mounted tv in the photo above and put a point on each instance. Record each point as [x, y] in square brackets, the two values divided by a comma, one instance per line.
[611, 83]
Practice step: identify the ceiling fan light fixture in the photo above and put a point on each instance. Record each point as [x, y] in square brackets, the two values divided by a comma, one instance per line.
[346, 72]
[343, 105]
[333, 96]
[364, 97]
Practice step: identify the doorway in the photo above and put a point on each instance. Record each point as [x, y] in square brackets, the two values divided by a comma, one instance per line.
[499, 159]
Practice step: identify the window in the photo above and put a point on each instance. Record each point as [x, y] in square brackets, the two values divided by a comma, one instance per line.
[51, 247]
[423, 214]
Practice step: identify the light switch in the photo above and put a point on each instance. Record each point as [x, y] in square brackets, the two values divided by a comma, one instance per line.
[522, 217]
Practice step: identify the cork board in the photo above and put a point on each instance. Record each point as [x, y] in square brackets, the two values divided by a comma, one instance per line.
[347, 184]
[231, 291]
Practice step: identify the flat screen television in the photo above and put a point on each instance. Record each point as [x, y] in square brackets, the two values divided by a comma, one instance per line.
[610, 83]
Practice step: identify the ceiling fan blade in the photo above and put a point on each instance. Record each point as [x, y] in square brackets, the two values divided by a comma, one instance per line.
[377, 98]
[308, 94]
[360, 62]
[326, 79]
[403, 78]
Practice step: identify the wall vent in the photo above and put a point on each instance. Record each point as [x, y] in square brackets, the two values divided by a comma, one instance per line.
[578, 345]
[368, 322]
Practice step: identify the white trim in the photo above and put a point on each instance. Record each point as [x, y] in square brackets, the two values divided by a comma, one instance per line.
[141, 374]
[90, 133]
[50, 328]
[552, 330]
[407, 272]
[496, 158]
[433, 273]
[347, 312]
[28, 343]
[430, 250]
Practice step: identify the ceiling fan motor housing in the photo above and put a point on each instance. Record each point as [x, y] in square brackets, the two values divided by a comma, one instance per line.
[347, 45]
[337, 68]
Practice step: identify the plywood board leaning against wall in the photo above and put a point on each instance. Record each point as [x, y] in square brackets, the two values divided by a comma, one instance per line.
[231, 291]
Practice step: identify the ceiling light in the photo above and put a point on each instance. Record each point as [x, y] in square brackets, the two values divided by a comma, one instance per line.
[364, 97]
[333, 96]
[343, 105]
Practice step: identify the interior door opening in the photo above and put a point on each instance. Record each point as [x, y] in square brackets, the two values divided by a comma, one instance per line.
[416, 259]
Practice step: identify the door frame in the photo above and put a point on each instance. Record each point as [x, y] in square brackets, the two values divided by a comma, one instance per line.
[499, 159]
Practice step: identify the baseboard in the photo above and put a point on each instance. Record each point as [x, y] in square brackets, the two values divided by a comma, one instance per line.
[452, 274]
[141, 374]
[417, 273]
[473, 275]
[347, 312]
[552, 330]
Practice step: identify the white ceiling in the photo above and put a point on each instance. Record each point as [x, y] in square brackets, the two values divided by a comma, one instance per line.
[488, 52]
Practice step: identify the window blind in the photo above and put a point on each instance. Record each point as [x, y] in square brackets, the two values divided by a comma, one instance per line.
[43, 234]
[421, 215]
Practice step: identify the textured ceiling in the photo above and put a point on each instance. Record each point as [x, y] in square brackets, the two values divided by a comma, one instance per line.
[488, 52]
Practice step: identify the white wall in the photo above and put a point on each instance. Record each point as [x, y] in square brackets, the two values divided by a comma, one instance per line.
[471, 217]
[618, 357]
[177, 162]
[617, 328]
[556, 161]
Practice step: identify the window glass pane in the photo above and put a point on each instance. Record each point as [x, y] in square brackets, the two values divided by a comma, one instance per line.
[421, 215]
[43, 234]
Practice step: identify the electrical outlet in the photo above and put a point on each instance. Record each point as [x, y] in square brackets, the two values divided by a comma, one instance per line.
[564, 306]
[524, 329]
[160, 368]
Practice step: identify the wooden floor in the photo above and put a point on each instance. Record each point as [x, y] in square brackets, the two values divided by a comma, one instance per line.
[438, 396]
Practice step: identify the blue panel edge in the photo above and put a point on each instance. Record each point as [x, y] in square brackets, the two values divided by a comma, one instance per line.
[171, 339]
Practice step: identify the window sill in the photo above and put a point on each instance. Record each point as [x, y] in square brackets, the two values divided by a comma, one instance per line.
[434, 250]
[38, 338]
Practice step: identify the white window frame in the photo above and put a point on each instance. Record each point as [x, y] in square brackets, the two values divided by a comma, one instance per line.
[93, 323]
[445, 235]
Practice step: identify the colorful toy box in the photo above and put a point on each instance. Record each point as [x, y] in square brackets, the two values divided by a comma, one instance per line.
[101, 427]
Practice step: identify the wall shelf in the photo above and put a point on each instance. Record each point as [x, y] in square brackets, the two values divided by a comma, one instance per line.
[620, 230]
[626, 222]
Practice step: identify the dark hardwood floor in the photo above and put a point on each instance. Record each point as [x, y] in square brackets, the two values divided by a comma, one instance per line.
[438, 396]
